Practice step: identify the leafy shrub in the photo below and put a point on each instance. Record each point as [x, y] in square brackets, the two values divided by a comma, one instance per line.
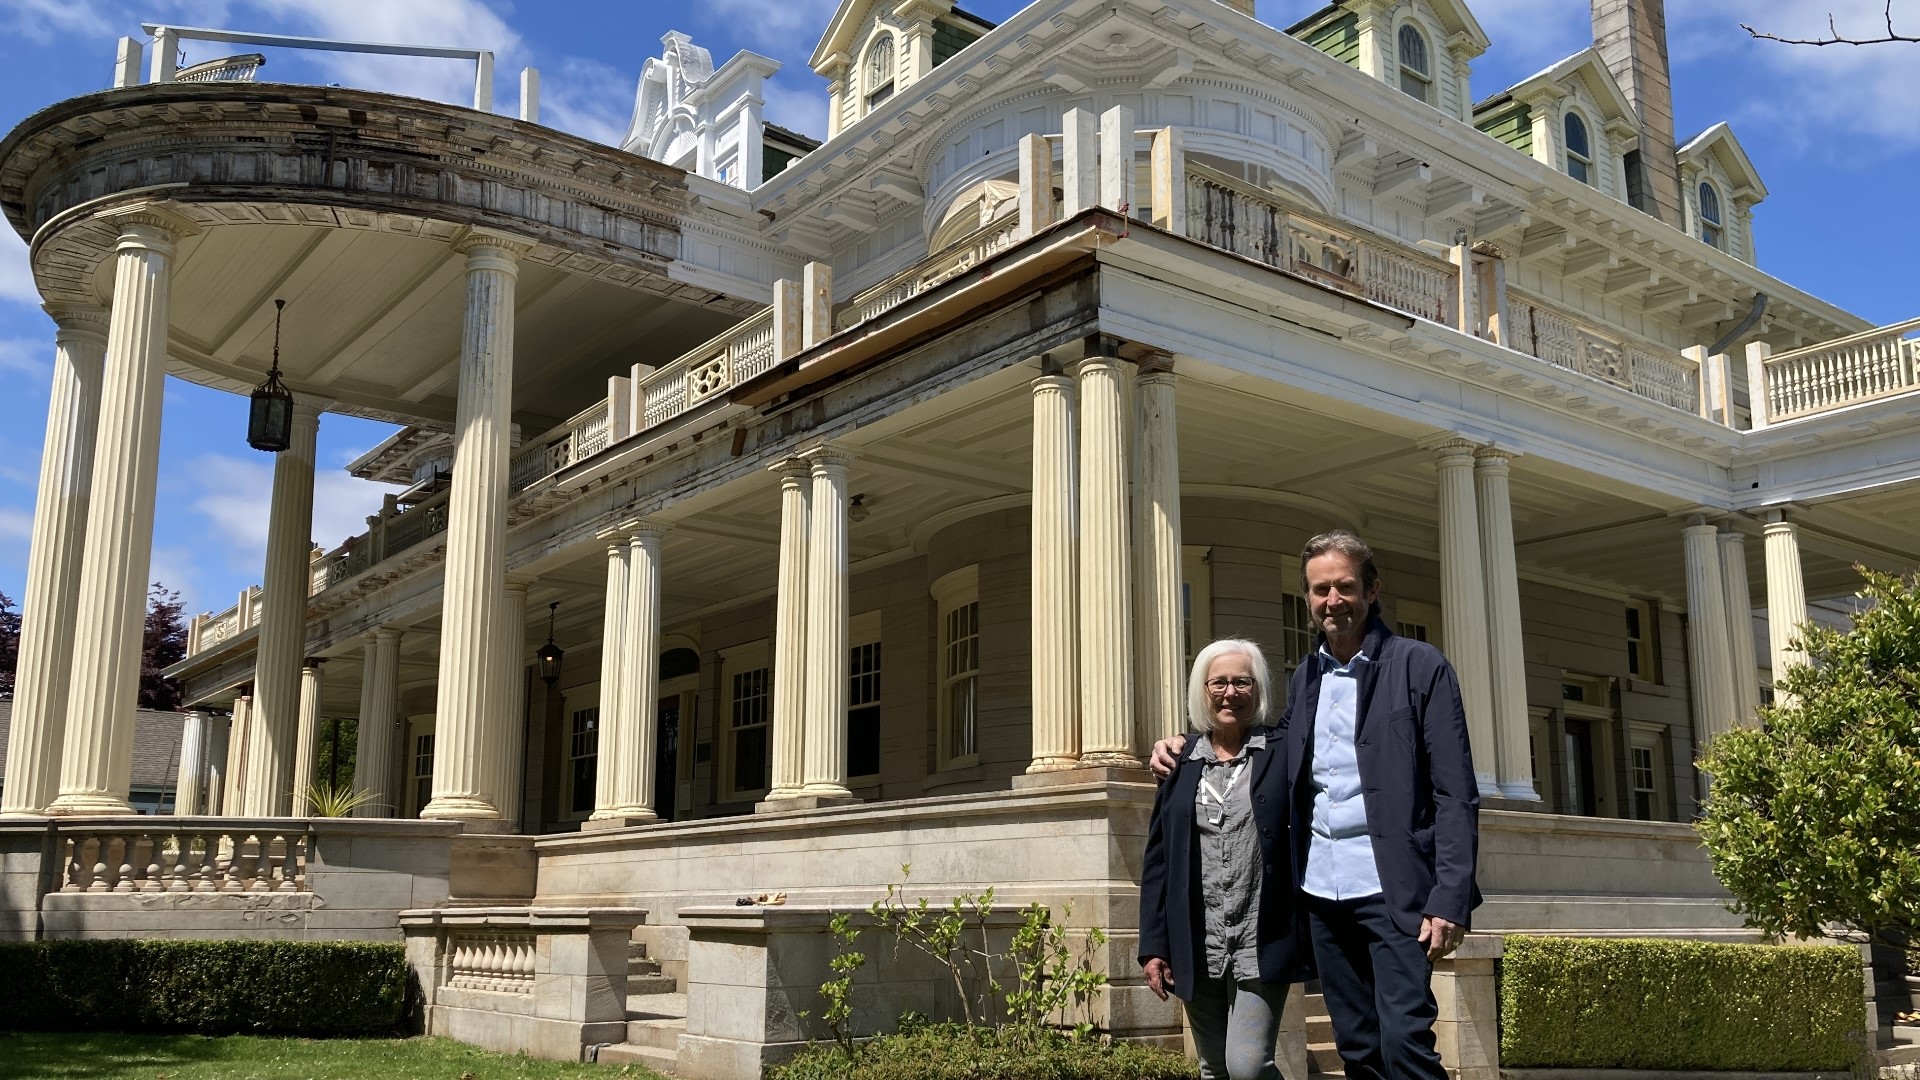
[1666, 1004]
[1812, 817]
[211, 987]
[959, 1052]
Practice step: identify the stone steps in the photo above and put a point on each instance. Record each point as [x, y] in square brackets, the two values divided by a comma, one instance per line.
[1323, 1059]
[664, 1061]
[655, 1022]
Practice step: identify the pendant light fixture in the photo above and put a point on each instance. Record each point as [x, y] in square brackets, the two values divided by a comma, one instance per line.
[270, 421]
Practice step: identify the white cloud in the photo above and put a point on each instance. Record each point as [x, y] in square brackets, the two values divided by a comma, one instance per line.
[801, 109]
[16, 272]
[26, 356]
[16, 523]
[587, 98]
[233, 495]
[42, 21]
[784, 29]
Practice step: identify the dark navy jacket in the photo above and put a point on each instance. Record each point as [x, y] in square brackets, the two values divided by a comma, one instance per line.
[1416, 775]
[1172, 913]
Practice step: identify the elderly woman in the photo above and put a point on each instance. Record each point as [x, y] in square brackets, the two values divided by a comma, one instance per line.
[1217, 911]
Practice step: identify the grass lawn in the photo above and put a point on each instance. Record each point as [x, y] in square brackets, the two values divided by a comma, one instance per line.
[30, 1056]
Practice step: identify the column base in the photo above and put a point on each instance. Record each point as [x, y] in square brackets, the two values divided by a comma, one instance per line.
[803, 801]
[1489, 787]
[1086, 775]
[1110, 759]
[618, 821]
[1052, 764]
[469, 810]
[89, 804]
[1520, 791]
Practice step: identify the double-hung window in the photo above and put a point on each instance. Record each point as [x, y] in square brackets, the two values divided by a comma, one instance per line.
[957, 600]
[1579, 149]
[1416, 65]
[1710, 222]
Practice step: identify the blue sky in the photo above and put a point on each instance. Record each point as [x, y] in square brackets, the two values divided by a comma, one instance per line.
[1829, 129]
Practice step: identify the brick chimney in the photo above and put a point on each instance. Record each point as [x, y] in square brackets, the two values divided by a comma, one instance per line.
[1632, 38]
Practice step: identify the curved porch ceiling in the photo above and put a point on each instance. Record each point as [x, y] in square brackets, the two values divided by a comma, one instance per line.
[345, 203]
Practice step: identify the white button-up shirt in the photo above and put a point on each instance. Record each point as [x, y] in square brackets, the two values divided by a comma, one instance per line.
[1340, 862]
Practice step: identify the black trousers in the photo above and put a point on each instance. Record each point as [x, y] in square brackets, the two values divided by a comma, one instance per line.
[1376, 980]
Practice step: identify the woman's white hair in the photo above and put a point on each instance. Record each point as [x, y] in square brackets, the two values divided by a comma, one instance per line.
[1198, 714]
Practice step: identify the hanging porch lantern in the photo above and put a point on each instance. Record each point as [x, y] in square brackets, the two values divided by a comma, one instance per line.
[270, 421]
[550, 654]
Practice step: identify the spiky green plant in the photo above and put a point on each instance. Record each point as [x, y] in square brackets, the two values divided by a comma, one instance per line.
[326, 800]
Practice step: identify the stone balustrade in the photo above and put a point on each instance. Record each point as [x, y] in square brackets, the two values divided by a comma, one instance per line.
[230, 857]
[942, 266]
[1567, 341]
[499, 962]
[1864, 367]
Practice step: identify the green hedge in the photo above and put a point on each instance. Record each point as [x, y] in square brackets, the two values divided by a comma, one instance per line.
[1668, 1004]
[956, 1052]
[211, 987]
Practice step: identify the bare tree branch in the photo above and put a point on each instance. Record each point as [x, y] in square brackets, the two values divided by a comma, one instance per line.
[1835, 37]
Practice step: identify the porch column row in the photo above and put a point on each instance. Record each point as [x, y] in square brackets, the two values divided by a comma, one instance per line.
[1480, 613]
[96, 758]
[469, 727]
[629, 677]
[373, 758]
[49, 614]
[1710, 675]
[811, 659]
[1106, 572]
[307, 737]
[1786, 597]
[203, 764]
[280, 768]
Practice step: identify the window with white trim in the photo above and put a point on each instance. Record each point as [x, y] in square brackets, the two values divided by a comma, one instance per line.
[1640, 640]
[1579, 148]
[863, 698]
[1196, 602]
[1646, 768]
[1710, 222]
[746, 716]
[1416, 67]
[879, 71]
[422, 769]
[1419, 621]
[583, 752]
[957, 599]
[1296, 622]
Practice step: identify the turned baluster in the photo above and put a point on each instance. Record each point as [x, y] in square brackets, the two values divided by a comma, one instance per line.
[238, 862]
[152, 877]
[262, 868]
[290, 864]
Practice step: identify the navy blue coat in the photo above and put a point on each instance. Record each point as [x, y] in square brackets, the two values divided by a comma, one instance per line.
[1172, 911]
[1416, 776]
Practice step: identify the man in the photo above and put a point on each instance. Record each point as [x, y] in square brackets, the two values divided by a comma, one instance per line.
[1385, 812]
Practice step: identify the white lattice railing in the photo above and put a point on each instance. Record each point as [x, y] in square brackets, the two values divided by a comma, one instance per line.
[500, 962]
[1652, 371]
[1863, 367]
[235, 857]
[942, 266]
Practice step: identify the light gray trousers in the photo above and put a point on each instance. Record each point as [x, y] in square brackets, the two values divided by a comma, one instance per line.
[1235, 1025]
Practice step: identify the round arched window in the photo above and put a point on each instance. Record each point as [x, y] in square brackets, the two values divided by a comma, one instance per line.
[1579, 149]
[1416, 68]
[878, 81]
[1710, 223]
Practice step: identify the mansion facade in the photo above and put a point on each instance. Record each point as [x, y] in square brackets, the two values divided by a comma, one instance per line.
[773, 513]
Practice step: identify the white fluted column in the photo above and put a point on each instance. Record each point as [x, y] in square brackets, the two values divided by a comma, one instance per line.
[640, 656]
[790, 634]
[233, 791]
[1744, 669]
[1463, 604]
[471, 615]
[510, 721]
[1709, 659]
[274, 774]
[190, 777]
[373, 756]
[1159, 645]
[1056, 674]
[96, 756]
[1786, 599]
[615, 738]
[827, 662]
[307, 736]
[52, 596]
[1106, 628]
[1506, 646]
[213, 800]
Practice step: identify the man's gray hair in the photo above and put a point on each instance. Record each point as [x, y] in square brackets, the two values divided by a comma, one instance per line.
[1198, 714]
[1341, 542]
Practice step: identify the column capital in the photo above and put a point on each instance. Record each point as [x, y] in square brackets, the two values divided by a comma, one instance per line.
[314, 662]
[648, 531]
[1450, 447]
[1052, 384]
[1781, 514]
[519, 582]
[790, 468]
[618, 533]
[383, 635]
[826, 456]
[87, 321]
[1153, 362]
[476, 241]
[152, 225]
[1094, 362]
[1493, 457]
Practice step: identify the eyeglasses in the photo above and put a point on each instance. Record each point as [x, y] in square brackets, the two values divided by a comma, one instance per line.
[1220, 686]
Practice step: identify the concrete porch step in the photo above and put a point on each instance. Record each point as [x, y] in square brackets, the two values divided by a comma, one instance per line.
[639, 963]
[660, 1034]
[628, 1054]
[1324, 1060]
[652, 985]
[661, 1006]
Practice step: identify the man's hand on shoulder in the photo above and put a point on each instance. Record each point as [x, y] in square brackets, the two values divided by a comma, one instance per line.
[1166, 754]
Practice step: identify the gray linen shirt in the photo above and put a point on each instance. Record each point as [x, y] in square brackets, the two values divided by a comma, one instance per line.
[1229, 858]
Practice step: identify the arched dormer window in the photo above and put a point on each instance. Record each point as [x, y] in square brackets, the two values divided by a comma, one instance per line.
[879, 70]
[1579, 149]
[1710, 221]
[1416, 65]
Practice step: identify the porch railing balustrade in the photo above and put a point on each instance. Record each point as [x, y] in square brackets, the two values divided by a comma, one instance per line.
[1566, 341]
[1875, 364]
[182, 855]
[940, 267]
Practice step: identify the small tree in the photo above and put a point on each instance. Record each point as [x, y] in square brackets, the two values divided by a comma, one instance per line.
[164, 645]
[1814, 818]
[9, 644]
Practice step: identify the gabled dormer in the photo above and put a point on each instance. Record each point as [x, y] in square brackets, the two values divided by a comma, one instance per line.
[1719, 188]
[873, 49]
[1571, 117]
[1424, 47]
[708, 122]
